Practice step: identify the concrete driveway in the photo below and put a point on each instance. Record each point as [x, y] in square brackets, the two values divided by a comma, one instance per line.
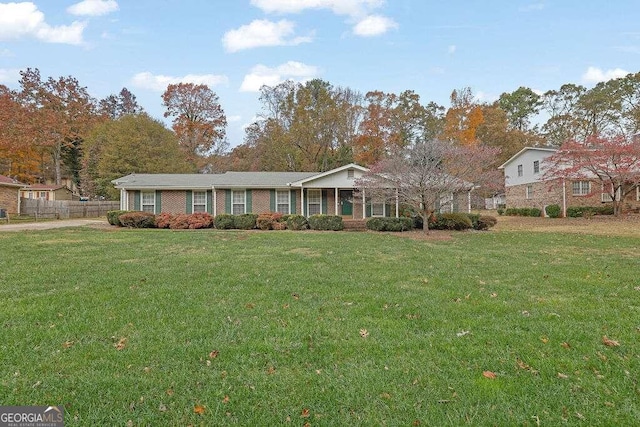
[48, 225]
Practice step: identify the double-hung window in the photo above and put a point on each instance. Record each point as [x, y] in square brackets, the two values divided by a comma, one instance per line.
[581, 188]
[148, 201]
[520, 170]
[282, 201]
[199, 201]
[314, 202]
[536, 166]
[529, 191]
[377, 208]
[238, 202]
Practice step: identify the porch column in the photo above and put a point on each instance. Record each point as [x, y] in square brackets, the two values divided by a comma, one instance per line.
[336, 200]
[397, 204]
[364, 205]
[123, 200]
[469, 201]
[302, 200]
[215, 202]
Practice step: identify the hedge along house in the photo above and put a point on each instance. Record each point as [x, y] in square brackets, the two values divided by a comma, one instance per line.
[306, 193]
[526, 187]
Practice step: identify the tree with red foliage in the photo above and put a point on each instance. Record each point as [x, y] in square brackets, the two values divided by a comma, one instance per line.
[615, 162]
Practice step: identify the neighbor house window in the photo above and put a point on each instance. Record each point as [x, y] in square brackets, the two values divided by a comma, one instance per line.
[519, 170]
[536, 166]
[529, 191]
[42, 195]
[282, 201]
[581, 188]
[237, 202]
[377, 209]
[350, 173]
[148, 201]
[314, 202]
[199, 201]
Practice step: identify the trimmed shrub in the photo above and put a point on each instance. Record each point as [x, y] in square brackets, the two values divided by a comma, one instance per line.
[390, 224]
[179, 222]
[163, 220]
[500, 211]
[245, 221]
[326, 222]
[199, 220]
[265, 221]
[297, 222]
[451, 221]
[523, 212]
[474, 220]
[580, 211]
[553, 211]
[138, 220]
[485, 222]
[224, 222]
[113, 217]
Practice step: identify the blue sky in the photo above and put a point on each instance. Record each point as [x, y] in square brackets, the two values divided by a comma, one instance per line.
[234, 46]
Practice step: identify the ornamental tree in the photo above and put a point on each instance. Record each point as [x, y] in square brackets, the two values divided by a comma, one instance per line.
[615, 162]
[423, 174]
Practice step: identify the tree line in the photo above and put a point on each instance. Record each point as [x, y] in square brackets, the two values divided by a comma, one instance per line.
[52, 128]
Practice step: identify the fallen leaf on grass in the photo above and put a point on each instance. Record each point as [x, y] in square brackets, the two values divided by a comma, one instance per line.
[566, 345]
[494, 295]
[490, 375]
[544, 340]
[226, 399]
[364, 333]
[609, 342]
[199, 409]
[169, 392]
[121, 344]
[213, 354]
[462, 333]
[305, 413]
[271, 370]
[295, 296]
[562, 376]
[162, 407]
[67, 344]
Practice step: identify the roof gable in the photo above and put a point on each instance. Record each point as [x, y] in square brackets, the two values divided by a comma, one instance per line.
[525, 149]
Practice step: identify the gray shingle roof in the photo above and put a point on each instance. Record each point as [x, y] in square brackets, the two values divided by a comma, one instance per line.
[206, 181]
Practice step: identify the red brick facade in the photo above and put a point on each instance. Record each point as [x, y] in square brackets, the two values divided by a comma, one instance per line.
[9, 199]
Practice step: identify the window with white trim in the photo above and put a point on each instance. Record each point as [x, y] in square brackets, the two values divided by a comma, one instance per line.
[238, 199]
[199, 201]
[581, 188]
[529, 191]
[314, 202]
[519, 170]
[42, 195]
[148, 201]
[282, 201]
[350, 173]
[638, 193]
[536, 166]
[377, 209]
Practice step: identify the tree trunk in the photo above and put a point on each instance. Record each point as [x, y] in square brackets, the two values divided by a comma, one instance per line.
[426, 214]
[57, 162]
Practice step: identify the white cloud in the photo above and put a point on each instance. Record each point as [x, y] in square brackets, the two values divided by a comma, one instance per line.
[374, 25]
[93, 7]
[481, 96]
[261, 75]
[339, 7]
[19, 20]
[597, 75]
[9, 75]
[532, 7]
[159, 83]
[452, 49]
[359, 12]
[262, 32]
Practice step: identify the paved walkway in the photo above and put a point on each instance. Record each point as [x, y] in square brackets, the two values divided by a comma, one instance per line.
[47, 225]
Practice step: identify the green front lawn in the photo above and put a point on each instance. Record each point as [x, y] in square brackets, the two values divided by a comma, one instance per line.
[286, 328]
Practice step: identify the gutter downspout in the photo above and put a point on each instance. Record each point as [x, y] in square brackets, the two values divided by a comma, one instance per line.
[564, 198]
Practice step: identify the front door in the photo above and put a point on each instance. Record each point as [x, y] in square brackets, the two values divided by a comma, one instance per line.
[346, 201]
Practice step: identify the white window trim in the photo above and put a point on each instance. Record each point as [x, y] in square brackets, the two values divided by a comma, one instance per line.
[384, 209]
[288, 194]
[142, 204]
[529, 192]
[244, 201]
[536, 163]
[581, 193]
[314, 190]
[520, 170]
[193, 201]
[638, 193]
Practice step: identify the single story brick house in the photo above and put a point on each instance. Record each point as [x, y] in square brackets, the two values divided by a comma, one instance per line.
[525, 186]
[10, 195]
[307, 193]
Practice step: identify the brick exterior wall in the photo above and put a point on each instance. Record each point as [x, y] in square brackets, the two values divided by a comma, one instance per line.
[260, 201]
[9, 199]
[173, 201]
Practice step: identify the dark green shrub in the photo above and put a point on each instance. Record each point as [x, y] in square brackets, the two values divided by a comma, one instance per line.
[523, 212]
[553, 211]
[138, 220]
[326, 222]
[500, 211]
[580, 211]
[450, 221]
[113, 217]
[474, 220]
[245, 221]
[390, 224]
[297, 222]
[224, 222]
[485, 222]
